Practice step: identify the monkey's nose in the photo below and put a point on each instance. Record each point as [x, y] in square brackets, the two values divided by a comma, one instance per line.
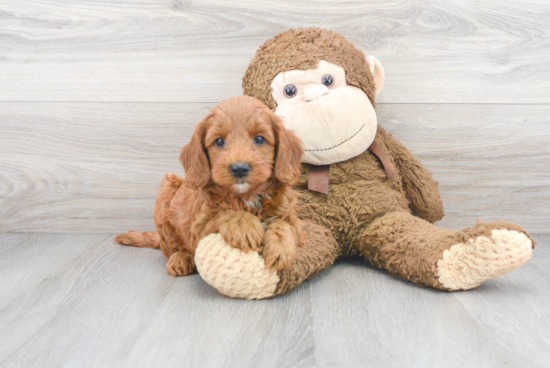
[312, 93]
[240, 169]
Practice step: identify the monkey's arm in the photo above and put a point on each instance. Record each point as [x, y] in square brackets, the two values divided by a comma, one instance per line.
[420, 188]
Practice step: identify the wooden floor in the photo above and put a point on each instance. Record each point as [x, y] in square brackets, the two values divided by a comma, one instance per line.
[82, 301]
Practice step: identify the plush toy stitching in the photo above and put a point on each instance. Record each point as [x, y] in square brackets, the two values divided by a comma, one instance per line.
[341, 143]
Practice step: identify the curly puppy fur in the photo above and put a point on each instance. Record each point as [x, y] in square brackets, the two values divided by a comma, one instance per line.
[249, 211]
[389, 222]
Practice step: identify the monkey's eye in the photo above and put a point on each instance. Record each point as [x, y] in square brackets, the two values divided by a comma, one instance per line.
[327, 80]
[259, 139]
[220, 142]
[290, 90]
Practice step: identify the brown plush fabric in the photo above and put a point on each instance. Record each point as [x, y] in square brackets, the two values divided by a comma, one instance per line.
[375, 217]
[421, 189]
[360, 192]
[388, 221]
[406, 246]
[410, 247]
[301, 49]
[319, 251]
[485, 229]
[403, 244]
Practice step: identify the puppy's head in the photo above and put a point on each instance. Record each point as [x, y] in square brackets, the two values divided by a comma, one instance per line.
[239, 145]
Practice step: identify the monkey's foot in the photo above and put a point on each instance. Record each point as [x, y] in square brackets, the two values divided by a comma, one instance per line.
[233, 272]
[468, 264]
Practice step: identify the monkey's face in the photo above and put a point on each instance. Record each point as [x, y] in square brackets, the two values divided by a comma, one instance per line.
[335, 121]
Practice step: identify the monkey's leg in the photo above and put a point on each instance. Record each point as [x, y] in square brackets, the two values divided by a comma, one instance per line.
[420, 252]
[319, 251]
[243, 275]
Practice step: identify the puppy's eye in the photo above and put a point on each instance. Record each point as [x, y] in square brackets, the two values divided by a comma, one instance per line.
[327, 80]
[290, 90]
[220, 142]
[259, 139]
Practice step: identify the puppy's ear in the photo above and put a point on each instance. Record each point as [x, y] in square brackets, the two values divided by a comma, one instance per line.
[194, 159]
[289, 152]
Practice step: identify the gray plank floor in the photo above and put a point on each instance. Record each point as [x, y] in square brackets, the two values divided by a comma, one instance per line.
[80, 300]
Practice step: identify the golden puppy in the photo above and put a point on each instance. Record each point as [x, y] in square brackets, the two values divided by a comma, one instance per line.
[240, 165]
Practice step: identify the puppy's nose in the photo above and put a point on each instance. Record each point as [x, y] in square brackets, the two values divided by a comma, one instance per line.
[240, 169]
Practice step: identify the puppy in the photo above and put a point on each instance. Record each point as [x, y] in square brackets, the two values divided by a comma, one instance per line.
[239, 168]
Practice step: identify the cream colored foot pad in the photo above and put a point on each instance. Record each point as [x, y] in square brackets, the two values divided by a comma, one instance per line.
[233, 272]
[467, 265]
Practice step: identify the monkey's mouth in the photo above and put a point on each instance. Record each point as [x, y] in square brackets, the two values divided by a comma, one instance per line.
[337, 145]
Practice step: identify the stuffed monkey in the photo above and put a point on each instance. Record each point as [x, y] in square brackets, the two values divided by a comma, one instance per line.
[361, 191]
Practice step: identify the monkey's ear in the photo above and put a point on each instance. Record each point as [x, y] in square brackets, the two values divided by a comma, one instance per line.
[194, 159]
[377, 72]
[289, 152]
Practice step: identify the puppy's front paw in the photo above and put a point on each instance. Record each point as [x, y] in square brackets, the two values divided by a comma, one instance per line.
[180, 264]
[245, 232]
[279, 246]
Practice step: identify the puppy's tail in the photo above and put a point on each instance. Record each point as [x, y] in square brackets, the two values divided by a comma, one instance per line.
[146, 239]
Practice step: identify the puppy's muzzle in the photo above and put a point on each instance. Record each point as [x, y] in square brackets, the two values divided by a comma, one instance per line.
[240, 169]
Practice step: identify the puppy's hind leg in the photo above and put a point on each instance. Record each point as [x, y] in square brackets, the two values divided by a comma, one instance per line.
[152, 239]
[136, 238]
